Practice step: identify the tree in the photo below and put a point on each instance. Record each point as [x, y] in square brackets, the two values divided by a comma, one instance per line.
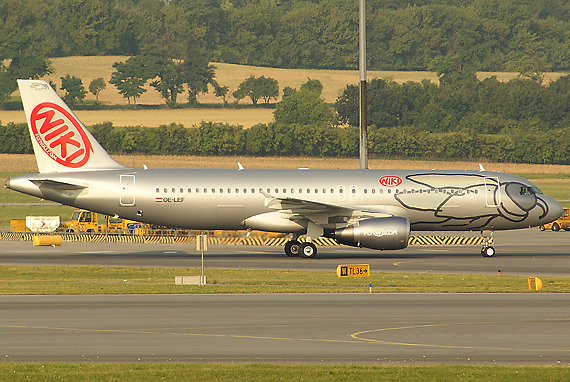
[303, 107]
[313, 86]
[268, 88]
[197, 73]
[74, 90]
[129, 78]
[256, 88]
[166, 77]
[221, 91]
[96, 86]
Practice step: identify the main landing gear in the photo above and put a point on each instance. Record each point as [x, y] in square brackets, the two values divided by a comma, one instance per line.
[487, 250]
[295, 248]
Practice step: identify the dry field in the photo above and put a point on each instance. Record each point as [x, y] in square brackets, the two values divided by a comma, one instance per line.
[26, 163]
[154, 118]
[89, 68]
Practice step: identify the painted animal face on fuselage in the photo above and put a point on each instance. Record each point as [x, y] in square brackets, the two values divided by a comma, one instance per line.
[476, 202]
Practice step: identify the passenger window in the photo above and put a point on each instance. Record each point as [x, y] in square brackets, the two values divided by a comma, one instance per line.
[354, 190]
[373, 190]
[237, 190]
[181, 190]
[221, 190]
[245, 190]
[229, 190]
[389, 191]
[381, 191]
[332, 190]
[174, 190]
[205, 190]
[341, 190]
[197, 190]
[324, 190]
[276, 191]
[157, 190]
[284, 191]
[300, 190]
[189, 190]
[366, 191]
[253, 190]
[165, 190]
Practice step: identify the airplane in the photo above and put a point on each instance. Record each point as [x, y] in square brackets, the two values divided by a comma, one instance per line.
[362, 208]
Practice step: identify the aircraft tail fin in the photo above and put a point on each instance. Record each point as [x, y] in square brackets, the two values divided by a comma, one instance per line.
[60, 141]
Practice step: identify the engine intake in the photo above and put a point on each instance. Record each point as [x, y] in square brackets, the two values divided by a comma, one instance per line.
[380, 233]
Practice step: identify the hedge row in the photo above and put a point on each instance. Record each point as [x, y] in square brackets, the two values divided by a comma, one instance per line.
[549, 147]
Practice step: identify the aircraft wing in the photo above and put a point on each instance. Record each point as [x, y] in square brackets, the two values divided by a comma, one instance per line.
[323, 213]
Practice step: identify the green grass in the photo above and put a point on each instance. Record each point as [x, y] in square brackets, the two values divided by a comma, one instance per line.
[73, 280]
[206, 372]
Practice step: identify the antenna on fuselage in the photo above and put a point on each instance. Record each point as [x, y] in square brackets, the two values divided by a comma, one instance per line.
[240, 167]
[481, 168]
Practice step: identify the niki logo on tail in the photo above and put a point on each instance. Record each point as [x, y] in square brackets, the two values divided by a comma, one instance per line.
[60, 135]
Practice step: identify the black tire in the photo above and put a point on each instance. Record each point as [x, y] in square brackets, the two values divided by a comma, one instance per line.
[555, 227]
[488, 252]
[70, 230]
[307, 250]
[542, 228]
[292, 248]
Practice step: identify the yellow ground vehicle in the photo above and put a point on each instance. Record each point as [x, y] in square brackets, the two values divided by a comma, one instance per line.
[88, 221]
[82, 221]
[563, 222]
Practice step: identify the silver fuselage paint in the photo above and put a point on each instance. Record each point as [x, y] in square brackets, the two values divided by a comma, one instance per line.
[207, 199]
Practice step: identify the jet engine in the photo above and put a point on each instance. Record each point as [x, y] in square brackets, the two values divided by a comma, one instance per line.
[379, 233]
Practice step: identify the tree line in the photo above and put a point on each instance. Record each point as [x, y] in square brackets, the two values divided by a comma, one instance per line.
[529, 37]
[316, 140]
[480, 107]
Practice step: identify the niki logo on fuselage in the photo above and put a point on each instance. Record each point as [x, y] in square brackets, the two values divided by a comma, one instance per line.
[60, 135]
[390, 181]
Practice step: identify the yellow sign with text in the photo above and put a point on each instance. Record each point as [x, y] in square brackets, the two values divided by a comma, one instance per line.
[355, 270]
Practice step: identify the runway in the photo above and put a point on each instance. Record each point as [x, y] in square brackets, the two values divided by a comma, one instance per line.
[403, 329]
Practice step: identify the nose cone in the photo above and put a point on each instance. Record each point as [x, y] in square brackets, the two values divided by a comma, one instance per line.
[553, 209]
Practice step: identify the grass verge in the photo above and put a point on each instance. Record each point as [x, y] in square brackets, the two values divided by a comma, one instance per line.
[73, 280]
[220, 373]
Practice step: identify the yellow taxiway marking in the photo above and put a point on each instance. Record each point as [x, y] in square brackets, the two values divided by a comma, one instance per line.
[358, 335]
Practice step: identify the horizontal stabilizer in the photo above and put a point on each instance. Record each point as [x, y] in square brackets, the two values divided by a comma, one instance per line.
[56, 185]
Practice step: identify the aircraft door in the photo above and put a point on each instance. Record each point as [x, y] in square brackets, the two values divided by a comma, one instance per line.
[492, 194]
[127, 196]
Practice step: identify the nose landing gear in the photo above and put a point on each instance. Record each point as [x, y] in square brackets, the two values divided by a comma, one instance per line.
[487, 250]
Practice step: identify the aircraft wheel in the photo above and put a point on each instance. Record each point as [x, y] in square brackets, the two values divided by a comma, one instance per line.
[307, 250]
[488, 252]
[292, 248]
[555, 227]
[542, 228]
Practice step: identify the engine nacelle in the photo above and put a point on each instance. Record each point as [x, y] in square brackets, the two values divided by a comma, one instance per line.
[379, 233]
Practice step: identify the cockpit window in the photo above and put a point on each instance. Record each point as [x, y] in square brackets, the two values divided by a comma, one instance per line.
[527, 190]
